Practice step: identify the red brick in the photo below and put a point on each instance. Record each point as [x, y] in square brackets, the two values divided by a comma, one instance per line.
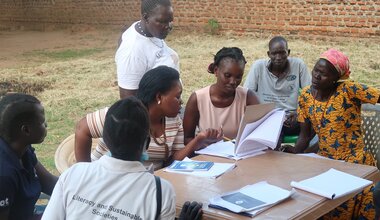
[324, 17]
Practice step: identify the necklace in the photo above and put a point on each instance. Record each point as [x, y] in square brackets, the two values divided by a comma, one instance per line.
[157, 42]
[140, 29]
[161, 141]
[319, 125]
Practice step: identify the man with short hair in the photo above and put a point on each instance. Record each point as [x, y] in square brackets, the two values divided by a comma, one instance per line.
[278, 80]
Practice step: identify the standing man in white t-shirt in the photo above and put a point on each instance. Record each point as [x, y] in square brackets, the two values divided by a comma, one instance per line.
[278, 80]
[142, 46]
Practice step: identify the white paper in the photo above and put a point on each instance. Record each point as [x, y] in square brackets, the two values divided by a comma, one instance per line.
[256, 137]
[216, 170]
[220, 149]
[265, 135]
[313, 155]
[261, 191]
[332, 184]
[226, 149]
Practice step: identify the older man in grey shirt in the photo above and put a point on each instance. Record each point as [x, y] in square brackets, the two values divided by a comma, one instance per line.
[279, 80]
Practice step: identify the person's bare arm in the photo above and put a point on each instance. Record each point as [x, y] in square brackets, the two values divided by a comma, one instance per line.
[306, 134]
[83, 141]
[191, 119]
[203, 139]
[47, 180]
[125, 93]
[291, 120]
[252, 98]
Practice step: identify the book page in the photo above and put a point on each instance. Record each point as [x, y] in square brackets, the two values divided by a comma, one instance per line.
[221, 149]
[265, 135]
[249, 127]
[253, 113]
[332, 184]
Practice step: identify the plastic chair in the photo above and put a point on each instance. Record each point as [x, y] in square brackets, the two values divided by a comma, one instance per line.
[371, 129]
[292, 139]
[64, 155]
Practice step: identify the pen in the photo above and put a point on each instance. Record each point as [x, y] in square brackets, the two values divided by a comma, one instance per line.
[226, 138]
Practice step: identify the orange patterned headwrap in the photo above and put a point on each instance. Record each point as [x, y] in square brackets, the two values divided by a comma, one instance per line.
[339, 61]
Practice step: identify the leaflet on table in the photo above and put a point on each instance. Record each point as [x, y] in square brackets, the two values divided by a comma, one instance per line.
[251, 199]
[332, 184]
[190, 166]
[216, 170]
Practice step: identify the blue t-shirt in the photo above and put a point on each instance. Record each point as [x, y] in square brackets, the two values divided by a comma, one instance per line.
[19, 184]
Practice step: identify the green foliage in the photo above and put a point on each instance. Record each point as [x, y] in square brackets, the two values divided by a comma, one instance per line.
[213, 26]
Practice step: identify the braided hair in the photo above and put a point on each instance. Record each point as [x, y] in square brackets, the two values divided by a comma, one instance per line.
[147, 6]
[126, 128]
[234, 53]
[15, 109]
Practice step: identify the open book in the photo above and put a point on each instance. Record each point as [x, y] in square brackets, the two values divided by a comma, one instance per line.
[332, 184]
[259, 129]
[251, 199]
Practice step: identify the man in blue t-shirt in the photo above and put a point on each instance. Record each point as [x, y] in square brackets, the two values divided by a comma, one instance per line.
[22, 177]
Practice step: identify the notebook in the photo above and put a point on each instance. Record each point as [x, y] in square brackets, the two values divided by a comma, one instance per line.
[332, 184]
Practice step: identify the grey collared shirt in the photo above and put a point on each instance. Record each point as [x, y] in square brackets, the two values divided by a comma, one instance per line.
[284, 90]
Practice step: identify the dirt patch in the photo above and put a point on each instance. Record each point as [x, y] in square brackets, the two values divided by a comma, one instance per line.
[16, 46]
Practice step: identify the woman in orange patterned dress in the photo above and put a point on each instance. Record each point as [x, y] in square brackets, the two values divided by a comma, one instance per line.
[331, 107]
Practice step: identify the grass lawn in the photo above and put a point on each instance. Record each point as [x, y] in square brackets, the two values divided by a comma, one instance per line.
[74, 73]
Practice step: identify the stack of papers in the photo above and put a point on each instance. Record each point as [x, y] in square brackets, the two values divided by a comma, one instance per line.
[215, 170]
[332, 184]
[252, 199]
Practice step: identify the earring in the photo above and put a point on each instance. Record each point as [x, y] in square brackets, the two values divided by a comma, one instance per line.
[159, 102]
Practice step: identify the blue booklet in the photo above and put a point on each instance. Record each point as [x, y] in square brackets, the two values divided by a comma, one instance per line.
[191, 165]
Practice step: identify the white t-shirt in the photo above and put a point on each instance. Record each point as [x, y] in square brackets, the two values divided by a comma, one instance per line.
[109, 188]
[137, 54]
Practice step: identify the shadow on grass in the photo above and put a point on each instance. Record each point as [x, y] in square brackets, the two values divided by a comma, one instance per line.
[12, 85]
[64, 54]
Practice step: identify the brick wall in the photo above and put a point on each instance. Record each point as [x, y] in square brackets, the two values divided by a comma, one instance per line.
[288, 17]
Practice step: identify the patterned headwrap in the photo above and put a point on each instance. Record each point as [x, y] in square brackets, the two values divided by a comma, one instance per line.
[339, 61]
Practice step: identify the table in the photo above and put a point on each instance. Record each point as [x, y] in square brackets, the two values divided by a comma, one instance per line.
[277, 168]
